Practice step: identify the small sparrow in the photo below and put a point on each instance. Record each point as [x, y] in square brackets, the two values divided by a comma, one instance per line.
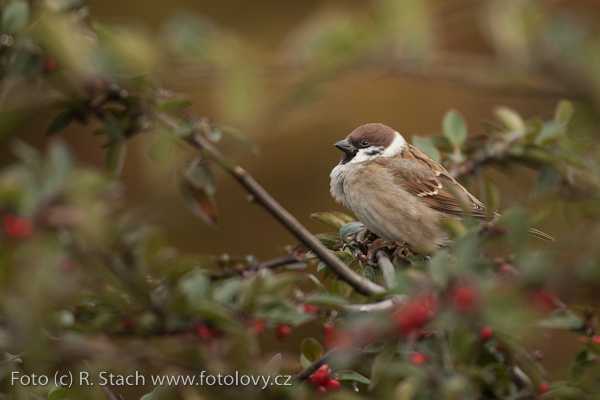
[397, 191]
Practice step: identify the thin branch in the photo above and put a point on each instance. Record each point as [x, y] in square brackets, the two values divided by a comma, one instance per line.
[269, 264]
[360, 284]
[387, 268]
[387, 304]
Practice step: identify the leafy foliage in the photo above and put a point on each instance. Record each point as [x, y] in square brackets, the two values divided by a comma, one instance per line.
[88, 286]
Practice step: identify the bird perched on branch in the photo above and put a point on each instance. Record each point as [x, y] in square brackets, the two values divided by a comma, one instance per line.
[397, 191]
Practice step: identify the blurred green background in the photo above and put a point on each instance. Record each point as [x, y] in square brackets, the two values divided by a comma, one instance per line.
[294, 87]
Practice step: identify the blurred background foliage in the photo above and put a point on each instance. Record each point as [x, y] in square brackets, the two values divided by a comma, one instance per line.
[280, 82]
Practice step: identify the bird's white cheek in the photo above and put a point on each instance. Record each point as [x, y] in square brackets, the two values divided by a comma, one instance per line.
[337, 184]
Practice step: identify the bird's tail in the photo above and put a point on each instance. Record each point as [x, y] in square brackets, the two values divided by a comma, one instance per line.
[540, 234]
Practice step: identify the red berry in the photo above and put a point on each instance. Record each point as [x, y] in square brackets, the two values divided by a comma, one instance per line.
[325, 367]
[411, 317]
[486, 333]
[596, 339]
[67, 265]
[50, 64]
[328, 330]
[333, 385]
[128, 324]
[418, 358]
[17, 227]
[204, 332]
[545, 300]
[258, 327]
[464, 297]
[284, 332]
[544, 386]
[322, 377]
[312, 379]
[321, 389]
[310, 309]
[340, 340]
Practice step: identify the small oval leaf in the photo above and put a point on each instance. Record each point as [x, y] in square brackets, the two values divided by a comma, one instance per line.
[311, 349]
[351, 228]
[330, 219]
[427, 147]
[455, 128]
[60, 122]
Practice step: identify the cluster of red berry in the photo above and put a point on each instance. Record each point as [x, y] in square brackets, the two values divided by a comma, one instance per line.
[416, 313]
[17, 227]
[322, 380]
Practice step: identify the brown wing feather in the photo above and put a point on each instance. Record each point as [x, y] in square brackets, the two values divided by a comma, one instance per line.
[423, 177]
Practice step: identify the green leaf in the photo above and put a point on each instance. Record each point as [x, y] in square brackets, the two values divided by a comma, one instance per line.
[328, 239]
[317, 282]
[330, 219]
[326, 299]
[14, 16]
[341, 288]
[175, 103]
[228, 292]
[347, 375]
[380, 365]
[581, 363]
[195, 287]
[427, 147]
[492, 198]
[237, 136]
[154, 395]
[455, 128]
[509, 117]
[115, 157]
[351, 228]
[369, 273]
[282, 312]
[551, 131]
[162, 150]
[56, 393]
[564, 112]
[201, 177]
[561, 319]
[60, 122]
[439, 269]
[311, 349]
[113, 127]
[199, 202]
[305, 362]
[60, 163]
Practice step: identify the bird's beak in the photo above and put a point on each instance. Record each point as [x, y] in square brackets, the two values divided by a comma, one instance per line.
[345, 146]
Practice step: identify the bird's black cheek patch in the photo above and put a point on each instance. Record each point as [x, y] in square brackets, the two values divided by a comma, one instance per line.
[347, 157]
[375, 151]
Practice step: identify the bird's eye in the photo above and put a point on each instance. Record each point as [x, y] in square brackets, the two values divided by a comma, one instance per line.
[365, 142]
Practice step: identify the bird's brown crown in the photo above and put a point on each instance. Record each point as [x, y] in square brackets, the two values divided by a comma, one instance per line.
[377, 134]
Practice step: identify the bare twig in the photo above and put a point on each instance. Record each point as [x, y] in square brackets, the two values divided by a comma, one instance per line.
[262, 197]
[280, 261]
[386, 267]
[269, 264]
[389, 303]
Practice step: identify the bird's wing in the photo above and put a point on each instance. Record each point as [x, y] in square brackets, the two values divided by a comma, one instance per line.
[423, 177]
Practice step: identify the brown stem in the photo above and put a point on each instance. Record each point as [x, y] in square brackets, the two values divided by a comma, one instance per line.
[269, 264]
[261, 196]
